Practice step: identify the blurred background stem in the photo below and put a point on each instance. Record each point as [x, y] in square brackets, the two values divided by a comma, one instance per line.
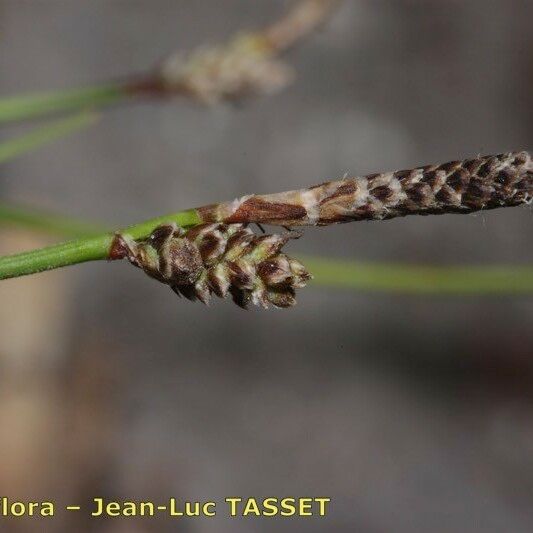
[42, 135]
[37, 105]
[420, 279]
[44, 222]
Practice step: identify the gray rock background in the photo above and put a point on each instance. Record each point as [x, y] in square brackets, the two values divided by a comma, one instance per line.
[412, 413]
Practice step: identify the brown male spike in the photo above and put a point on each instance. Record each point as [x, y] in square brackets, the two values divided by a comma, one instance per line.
[481, 183]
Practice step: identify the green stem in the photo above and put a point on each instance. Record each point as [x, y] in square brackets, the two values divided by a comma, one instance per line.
[59, 255]
[39, 136]
[40, 104]
[83, 250]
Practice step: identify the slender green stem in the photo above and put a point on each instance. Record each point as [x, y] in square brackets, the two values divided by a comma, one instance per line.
[40, 104]
[39, 136]
[51, 257]
[85, 249]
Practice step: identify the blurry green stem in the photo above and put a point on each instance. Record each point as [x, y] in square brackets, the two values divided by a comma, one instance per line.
[40, 104]
[48, 222]
[420, 279]
[39, 136]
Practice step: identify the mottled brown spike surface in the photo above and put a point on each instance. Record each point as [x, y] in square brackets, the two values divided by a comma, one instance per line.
[487, 182]
[219, 259]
